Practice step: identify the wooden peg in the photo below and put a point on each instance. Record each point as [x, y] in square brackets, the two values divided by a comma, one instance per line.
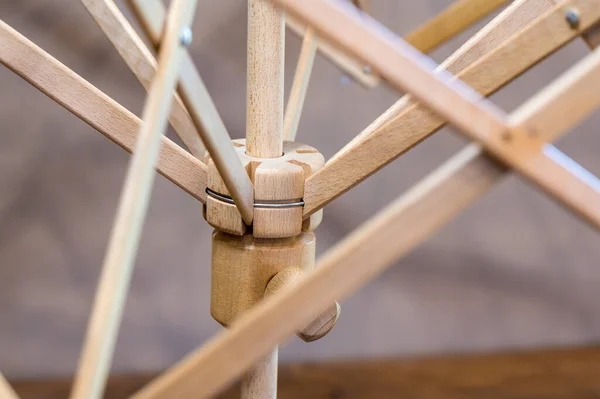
[322, 324]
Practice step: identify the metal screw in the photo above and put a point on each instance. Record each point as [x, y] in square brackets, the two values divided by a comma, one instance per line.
[572, 17]
[366, 69]
[185, 37]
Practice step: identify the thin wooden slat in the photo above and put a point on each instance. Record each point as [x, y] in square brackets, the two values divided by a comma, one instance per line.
[95, 108]
[206, 118]
[407, 69]
[450, 22]
[487, 62]
[295, 103]
[143, 65]
[101, 336]
[6, 391]
[506, 28]
[349, 65]
[360, 257]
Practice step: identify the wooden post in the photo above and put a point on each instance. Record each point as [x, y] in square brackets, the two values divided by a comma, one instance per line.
[264, 92]
[264, 134]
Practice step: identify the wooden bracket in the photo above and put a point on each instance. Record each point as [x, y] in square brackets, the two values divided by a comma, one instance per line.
[276, 181]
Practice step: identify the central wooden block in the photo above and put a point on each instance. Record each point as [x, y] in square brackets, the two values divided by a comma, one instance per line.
[278, 188]
[243, 266]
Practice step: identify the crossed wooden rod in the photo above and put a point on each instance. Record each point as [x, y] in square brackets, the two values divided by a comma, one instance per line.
[522, 35]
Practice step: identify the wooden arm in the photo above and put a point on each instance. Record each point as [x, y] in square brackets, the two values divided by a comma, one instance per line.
[453, 20]
[351, 66]
[295, 102]
[143, 65]
[487, 62]
[407, 69]
[205, 116]
[95, 108]
[103, 326]
[6, 391]
[350, 264]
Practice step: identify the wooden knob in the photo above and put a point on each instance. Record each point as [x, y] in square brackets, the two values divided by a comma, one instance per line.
[321, 325]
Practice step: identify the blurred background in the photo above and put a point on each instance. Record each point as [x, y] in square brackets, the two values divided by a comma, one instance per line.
[513, 271]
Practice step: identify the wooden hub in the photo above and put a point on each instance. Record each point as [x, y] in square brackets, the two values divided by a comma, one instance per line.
[278, 192]
[245, 269]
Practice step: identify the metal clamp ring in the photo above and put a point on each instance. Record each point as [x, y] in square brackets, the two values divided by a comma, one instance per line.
[272, 205]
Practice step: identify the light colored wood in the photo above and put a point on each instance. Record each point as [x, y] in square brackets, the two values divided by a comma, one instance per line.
[503, 29]
[241, 270]
[410, 220]
[95, 108]
[6, 391]
[345, 267]
[323, 323]
[355, 69]
[295, 103]
[264, 90]
[95, 360]
[143, 65]
[260, 382]
[566, 102]
[487, 62]
[275, 180]
[450, 22]
[407, 69]
[203, 112]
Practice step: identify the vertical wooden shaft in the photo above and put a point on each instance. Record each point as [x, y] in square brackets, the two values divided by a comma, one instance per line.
[264, 135]
[264, 91]
[260, 382]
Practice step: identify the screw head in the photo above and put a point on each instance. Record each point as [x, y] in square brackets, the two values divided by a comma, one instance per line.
[572, 17]
[185, 37]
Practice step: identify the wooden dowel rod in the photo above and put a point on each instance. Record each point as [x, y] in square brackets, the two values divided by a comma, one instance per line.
[295, 103]
[143, 65]
[264, 91]
[488, 61]
[260, 382]
[94, 364]
[95, 108]
[408, 221]
[450, 22]
[6, 391]
[204, 114]
[349, 65]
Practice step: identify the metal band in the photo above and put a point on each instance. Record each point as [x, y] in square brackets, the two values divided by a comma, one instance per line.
[272, 205]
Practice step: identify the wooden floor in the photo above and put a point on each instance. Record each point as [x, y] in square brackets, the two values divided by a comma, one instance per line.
[548, 374]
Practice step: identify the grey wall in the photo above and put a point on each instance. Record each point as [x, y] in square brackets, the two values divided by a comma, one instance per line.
[514, 270]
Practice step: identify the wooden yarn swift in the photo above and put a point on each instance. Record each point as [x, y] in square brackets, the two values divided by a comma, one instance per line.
[265, 195]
